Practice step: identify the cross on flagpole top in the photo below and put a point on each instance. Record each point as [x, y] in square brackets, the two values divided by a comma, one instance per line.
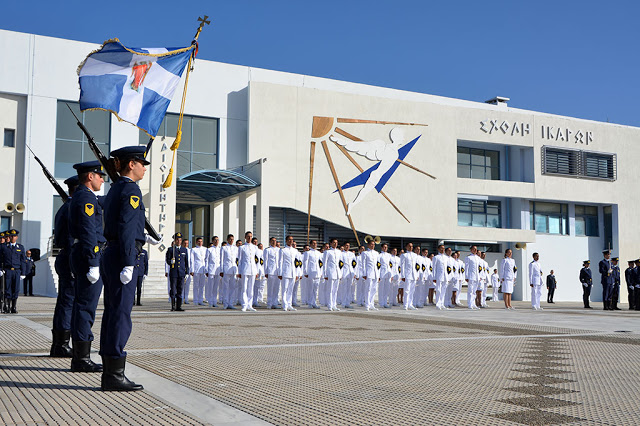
[203, 21]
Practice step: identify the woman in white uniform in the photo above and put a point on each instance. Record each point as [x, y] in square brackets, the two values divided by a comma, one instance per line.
[508, 274]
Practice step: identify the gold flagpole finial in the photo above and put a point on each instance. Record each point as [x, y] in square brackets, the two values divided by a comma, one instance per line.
[203, 22]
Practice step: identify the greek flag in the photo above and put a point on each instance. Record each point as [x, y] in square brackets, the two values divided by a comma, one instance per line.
[135, 84]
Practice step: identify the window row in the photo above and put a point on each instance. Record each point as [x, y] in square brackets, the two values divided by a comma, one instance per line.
[577, 163]
[478, 163]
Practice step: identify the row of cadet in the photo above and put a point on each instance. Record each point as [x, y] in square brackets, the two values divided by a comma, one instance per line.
[609, 271]
[233, 273]
[16, 265]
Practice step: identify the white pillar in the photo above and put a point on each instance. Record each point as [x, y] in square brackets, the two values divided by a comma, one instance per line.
[226, 218]
[262, 218]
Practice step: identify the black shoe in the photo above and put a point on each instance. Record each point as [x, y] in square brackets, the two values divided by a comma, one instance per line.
[138, 304]
[5, 307]
[179, 305]
[173, 304]
[113, 378]
[588, 307]
[615, 308]
[13, 306]
[81, 361]
[60, 346]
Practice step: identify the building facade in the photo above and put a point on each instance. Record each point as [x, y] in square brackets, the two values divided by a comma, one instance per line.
[267, 151]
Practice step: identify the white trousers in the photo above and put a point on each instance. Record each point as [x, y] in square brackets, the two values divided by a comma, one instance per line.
[409, 288]
[472, 286]
[212, 288]
[441, 293]
[312, 291]
[458, 288]
[322, 292]
[198, 288]
[185, 289]
[371, 284]
[246, 284]
[287, 290]
[228, 290]
[273, 288]
[258, 290]
[332, 292]
[344, 290]
[536, 292]
[294, 292]
[485, 285]
[393, 292]
[383, 292]
[451, 285]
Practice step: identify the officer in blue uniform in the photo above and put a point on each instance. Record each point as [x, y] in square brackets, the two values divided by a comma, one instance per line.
[124, 230]
[177, 258]
[629, 278]
[61, 330]
[2, 277]
[142, 265]
[615, 293]
[85, 227]
[606, 279]
[587, 282]
[636, 290]
[14, 265]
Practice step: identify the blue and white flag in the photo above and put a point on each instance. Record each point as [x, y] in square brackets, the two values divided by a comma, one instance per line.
[135, 84]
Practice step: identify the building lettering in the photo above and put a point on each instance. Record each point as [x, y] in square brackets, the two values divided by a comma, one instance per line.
[505, 127]
[564, 134]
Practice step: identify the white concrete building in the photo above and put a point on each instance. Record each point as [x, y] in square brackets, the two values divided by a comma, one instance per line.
[560, 185]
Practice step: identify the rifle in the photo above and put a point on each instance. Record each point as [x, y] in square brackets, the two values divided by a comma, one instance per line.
[63, 194]
[109, 168]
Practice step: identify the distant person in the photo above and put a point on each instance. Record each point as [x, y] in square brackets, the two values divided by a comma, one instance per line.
[587, 282]
[535, 281]
[630, 278]
[27, 283]
[606, 279]
[551, 286]
[508, 275]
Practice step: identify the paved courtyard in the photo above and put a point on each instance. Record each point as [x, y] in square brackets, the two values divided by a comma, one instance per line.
[562, 365]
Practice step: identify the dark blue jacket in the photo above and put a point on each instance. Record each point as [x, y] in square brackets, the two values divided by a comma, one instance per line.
[142, 263]
[13, 257]
[178, 260]
[630, 276]
[585, 276]
[30, 267]
[605, 277]
[124, 219]
[616, 274]
[85, 224]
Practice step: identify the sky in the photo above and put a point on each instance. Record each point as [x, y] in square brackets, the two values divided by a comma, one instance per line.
[573, 58]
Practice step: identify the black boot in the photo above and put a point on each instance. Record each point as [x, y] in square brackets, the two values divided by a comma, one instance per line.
[173, 303]
[81, 361]
[5, 306]
[13, 306]
[60, 346]
[113, 378]
[179, 304]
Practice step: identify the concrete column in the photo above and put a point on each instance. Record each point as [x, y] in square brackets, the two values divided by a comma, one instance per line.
[244, 214]
[262, 218]
[217, 214]
[226, 217]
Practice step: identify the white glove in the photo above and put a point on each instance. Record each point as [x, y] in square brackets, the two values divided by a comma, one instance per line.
[148, 238]
[22, 277]
[630, 287]
[126, 275]
[1, 272]
[585, 284]
[144, 277]
[94, 274]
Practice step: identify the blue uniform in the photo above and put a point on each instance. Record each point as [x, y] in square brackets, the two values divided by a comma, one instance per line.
[124, 231]
[85, 227]
[66, 281]
[615, 291]
[142, 265]
[587, 282]
[606, 279]
[14, 265]
[178, 260]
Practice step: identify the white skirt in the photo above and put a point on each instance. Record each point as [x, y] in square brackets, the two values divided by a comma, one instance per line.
[507, 286]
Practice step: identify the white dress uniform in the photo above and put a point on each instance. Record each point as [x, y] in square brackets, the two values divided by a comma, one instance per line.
[299, 275]
[441, 277]
[409, 268]
[427, 280]
[452, 280]
[198, 267]
[419, 281]
[384, 288]
[313, 268]
[535, 278]
[213, 280]
[472, 271]
[247, 269]
[495, 285]
[332, 268]
[508, 274]
[304, 282]
[485, 285]
[186, 287]
[271, 264]
[395, 281]
[461, 276]
[371, 276]
[287, 269]
[360, 290]
[258, 285]
[345, 291]
[229, 269]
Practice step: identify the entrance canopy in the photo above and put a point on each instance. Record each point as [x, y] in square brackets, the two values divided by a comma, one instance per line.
[207, 186]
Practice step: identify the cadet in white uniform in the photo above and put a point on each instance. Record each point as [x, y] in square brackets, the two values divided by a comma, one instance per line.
[495, 285]
[287, 272]
[299, 275]
[313, 268]
[332, 268]
[409, 268]
[440, 276]
[427, 278]
[508, 274]
[271, 263]
[452, 281]
[384, 288]
[258, 285]
[187, 278]
[228, 272]
[486, 276]
[247, 271]
[345, 292]
[472, 270]
[213, 273]
[371, 274]
[198, 266]
[535, 281]
[431, 288]
[360, 286]
[461, 276]
[420, 280]
[395, 278]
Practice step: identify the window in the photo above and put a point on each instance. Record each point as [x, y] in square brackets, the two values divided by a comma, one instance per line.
[199, 143]
[587, 221]
[71, 143]
[549, 218]
[5, 223]
[477, 163]
[479, 213]
[607, 213]
[9, 138]
[579, 164]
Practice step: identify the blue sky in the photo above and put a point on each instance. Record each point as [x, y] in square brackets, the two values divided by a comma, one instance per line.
[574, 58]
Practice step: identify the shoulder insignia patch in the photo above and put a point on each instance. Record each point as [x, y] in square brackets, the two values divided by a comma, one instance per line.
[88, 209]
[134, 201]
[96, 249]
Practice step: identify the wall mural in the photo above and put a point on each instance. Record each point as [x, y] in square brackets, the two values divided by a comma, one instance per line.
[388, 154]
